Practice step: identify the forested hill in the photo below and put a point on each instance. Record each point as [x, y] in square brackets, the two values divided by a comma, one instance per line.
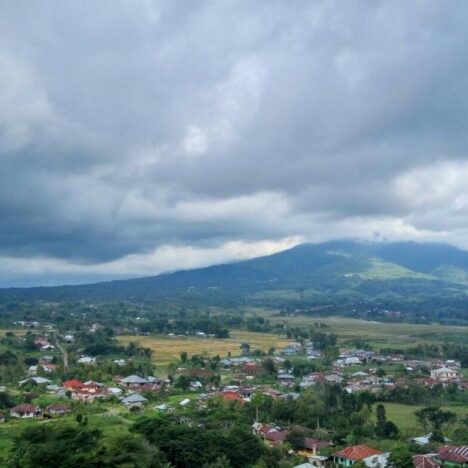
[401, 276]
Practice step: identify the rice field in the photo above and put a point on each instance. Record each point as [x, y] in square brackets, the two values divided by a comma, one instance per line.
[167, 349]
[378, 334]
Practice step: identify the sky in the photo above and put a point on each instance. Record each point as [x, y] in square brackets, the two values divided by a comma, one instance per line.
[142, 136]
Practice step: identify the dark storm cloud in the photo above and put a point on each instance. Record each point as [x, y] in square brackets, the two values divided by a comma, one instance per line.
[127, 126]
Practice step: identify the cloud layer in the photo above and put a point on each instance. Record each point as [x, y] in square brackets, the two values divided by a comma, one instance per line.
[140, 136]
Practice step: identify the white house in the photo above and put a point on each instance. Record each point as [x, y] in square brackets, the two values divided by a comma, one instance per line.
[444, 373]
[87, 360]
[25, 411]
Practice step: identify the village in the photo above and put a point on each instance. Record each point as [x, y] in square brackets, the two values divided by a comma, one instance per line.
[286, 375]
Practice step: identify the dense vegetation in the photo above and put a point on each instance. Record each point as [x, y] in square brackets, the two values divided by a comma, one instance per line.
[400, 281]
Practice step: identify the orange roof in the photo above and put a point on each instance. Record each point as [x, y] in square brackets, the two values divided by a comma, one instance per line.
[73, 383]
[357, 452]
[231, 396]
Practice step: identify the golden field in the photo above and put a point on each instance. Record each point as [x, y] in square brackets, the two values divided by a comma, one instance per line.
[168, 348]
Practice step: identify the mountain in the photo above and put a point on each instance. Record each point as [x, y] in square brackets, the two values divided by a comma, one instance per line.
[404, 276]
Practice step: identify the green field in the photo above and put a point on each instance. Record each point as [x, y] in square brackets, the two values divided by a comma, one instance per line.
[167, 349]
[378, 334]
[403, 415]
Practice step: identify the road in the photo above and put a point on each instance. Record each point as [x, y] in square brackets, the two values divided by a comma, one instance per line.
[64, 354]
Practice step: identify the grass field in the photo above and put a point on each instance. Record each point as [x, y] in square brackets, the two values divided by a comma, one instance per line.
[167, 349]
[16, 331]
[403, 415]
[379, 335]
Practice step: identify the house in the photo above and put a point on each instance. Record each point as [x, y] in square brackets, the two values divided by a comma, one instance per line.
[350, 455]
[163, 407]
[134, 381]
[444, 373]
[334, 378]
[72, 385]
[377, 461]
[46, 358]
[425, 461]
[41, 342]
[2, 418]
[318, 461]
[58, 409]
[453, 456]
[289, 351]
[348, 361]
[231, 396]
[119, 362]
[36, 380]
[87, 360]
[184, 402]
[196, 385]
[135, 400]
[53, 388]
[251, 368]
[25, 411]
[286, 378]
[313, 446]
[425, 439]
[47, 347]
[49, 367]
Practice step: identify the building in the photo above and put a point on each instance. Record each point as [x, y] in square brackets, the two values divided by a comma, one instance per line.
[350, 455]
[25, 411]
[453, 456]
[425, 461]
[134, 381]
[58, 409]
[444, 373]
[87, 360]
[134, 400]
[72, 385]
[251, 368]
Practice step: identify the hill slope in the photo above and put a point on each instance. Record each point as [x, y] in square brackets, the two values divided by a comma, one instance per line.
[407, 276]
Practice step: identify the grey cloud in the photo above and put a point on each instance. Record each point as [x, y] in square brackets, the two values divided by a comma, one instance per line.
[267, 119]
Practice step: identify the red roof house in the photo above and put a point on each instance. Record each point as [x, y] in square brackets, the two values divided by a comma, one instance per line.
[25, 410]
[454, 454]
[425, 461]
[72, 385]
[350, 455]
[231, 396]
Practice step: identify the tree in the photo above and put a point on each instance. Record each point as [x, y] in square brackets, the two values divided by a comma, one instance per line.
[384, 428]
[183, 356]
[269, 366]
[434, 418]
[129, 450]
[220, 462]
[296, 439]
[182, 382]
[401, 457]
[44, 445]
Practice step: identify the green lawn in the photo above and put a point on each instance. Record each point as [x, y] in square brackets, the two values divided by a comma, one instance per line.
[404, 415]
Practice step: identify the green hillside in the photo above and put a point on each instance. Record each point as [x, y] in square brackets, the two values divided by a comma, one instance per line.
[422, 280]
